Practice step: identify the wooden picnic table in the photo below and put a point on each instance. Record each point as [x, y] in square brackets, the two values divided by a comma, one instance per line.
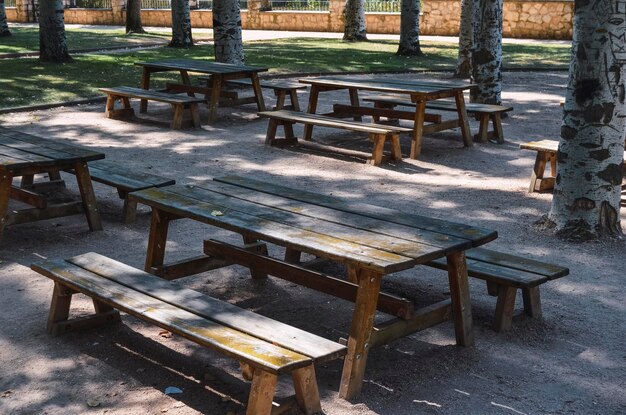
[419, 91]
[219, 74]
[25, 155]
[371, 241]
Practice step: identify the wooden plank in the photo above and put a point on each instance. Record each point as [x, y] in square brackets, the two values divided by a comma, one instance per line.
[474, 234]
[31, 198]
[131, 92]
[201, 66]
[377, 85]
[76, 152]
[542, 145]
[35, 214]
[304, 240]
[396, 306]
[460, 296]
[342, 109]
[550, 271]
[194, 302]
[261, 393]
[273, 84]
[189, 266]
[233, 343]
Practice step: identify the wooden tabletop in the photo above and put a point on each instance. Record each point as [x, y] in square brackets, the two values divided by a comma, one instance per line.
[21, 152]
[388, 85]
[201, 66]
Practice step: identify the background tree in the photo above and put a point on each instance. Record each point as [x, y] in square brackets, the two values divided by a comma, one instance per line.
[354, 21]
[52, 41]
[181, 24]
[590, 157]
[4, 27]
[466, 39]
[487, 54]
[227, 32]
[410, 29]
[133, 17]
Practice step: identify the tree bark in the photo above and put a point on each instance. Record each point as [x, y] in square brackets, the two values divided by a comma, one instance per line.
[265, 6]
[487, 56]
[227, 32]
[466, 40]
[410, 29]
[181, 25]
[591, 149]
[52, 41]
[133, 17]
[354, 21]
[4, 27]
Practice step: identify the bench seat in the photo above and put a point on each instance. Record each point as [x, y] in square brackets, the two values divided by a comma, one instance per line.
[264, 347]
[484, 112]
[280, 87]
[378, 133]
[506, 273]
[178, 102]
[125, 180]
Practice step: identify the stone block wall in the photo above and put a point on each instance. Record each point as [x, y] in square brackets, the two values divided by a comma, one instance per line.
[537, 19]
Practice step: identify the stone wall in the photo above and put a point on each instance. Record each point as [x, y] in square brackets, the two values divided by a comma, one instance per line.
[539, 19]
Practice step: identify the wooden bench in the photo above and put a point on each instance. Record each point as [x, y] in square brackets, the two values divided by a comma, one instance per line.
[377, 133]
[125, 180]
[178, 102]
[280, 88]
[264, 347]
[506, 273]
[484, 113]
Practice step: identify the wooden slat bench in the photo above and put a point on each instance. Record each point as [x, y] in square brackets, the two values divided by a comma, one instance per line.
[264, 347]
[178, 102]
[377, 133]
[125, 180]
[484, 112]
[546, 153]
[280, 87]
[506, 273]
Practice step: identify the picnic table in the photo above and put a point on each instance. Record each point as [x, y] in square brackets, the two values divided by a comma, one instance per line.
[371, 241]
[419, 91]
[219, 74]
[26, 155]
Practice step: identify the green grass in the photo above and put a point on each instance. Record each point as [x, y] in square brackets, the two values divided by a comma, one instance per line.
[27, 81]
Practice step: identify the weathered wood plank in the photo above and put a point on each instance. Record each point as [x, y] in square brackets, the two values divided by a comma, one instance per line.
[550, 271]
[132, 92]
[77, 152]
[52, 211]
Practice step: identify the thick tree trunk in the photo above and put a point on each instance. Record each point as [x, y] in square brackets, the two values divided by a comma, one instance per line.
[591, 149]
[52, 42]
[265, 6]
[354, 21]
[487, 56]
[466, 40]
[181, 25]
[410, 29]
[227, 32]
[133, 17]
[4, 27]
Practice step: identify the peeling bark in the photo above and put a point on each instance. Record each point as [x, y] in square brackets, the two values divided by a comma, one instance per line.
[466, 40]
[4, 27]
[410, 29]
[487, 54]
[591, 150]
[52, 41]
[133, 17]
[181, 25]
[227, 32]
[354, 21]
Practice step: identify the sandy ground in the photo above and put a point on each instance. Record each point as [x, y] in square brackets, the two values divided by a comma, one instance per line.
[574, 361]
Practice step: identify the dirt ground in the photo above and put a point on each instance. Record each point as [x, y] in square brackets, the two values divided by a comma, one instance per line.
[573, 361]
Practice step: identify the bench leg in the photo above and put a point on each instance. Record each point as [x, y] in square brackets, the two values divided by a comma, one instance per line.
[110, 105]
[532, 302]
[496, 120]
[396, 152]
[280, 99]
[313, 98]
[6, 179]
[292, 256]
[307, 393]
[58, 321]
[377, 151]
[295, 104]
[177, 121]
[129, 211]
[260, 248]
[504, 308]
[261, 393]
[418, 130]
[157, 239]
[537, 179]
[195, 114]
[483, 128]
[354, 101]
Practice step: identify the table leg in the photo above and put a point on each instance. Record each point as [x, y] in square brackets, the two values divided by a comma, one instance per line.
[6, 179]
[461, 306]
[89, 198]
[159, 226]
[354, 101]
[145, 84]
[258, 94]
[216, 89]
[360, 332]
[418, 129]
[463, 121]
[313, 96]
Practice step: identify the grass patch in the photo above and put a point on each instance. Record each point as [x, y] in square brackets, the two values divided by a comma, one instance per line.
[27, 81]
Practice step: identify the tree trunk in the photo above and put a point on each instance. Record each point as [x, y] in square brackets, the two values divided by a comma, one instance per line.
[265, 6]
[354, 21]
[4, 27]
[466, 40]
[591, 149]
[133, 17]
[181, 25]
[52, 42]
[410, 29]
[227, 32]
[487, 56]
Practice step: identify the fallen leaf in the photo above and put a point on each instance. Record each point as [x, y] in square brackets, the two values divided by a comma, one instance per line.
[165, 333]
[217, 213]
[6, 393]
[92, 403]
